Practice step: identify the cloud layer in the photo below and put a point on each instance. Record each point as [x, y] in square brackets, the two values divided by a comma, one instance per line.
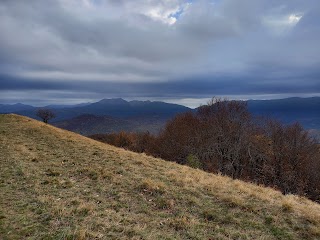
[158, 48]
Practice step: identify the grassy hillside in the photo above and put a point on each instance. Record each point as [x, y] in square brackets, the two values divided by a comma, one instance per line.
[56, 184]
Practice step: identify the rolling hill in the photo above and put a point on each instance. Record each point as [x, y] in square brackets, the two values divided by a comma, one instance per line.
[89, 124]
[56, 184]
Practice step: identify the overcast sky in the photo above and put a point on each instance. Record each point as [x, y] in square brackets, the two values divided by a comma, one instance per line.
[70, 51]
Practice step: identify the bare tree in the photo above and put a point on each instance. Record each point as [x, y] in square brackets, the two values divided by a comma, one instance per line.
[45, 114]
[226, 126]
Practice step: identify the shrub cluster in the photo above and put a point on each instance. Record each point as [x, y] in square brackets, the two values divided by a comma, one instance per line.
[223, 137]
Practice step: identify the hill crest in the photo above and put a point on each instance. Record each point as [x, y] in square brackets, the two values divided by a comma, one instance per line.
[58, 184]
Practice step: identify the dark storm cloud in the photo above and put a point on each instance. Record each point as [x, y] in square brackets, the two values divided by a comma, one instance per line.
[21, 84]
[139, 49]
[204, 86]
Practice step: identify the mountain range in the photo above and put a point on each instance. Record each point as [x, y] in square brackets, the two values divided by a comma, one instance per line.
[106, 116]
[114, 115]
[116, 107]
[289, 110]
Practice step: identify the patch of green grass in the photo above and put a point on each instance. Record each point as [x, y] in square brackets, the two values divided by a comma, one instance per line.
[280, 233]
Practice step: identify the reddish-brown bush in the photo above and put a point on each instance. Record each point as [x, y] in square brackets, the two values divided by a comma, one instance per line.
[226, 139]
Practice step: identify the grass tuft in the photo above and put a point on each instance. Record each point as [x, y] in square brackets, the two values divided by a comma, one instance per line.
[152, 187]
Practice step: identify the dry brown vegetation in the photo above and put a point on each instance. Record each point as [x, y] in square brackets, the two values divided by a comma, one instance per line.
[223, 137]
[55, 184]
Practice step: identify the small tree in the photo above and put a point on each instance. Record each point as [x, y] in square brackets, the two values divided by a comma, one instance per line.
[45, 114]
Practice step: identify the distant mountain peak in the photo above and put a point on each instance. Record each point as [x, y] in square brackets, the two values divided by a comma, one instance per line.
[112, 101]
[140, 101]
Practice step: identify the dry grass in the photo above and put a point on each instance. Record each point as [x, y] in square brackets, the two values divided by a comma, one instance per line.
[56, 184]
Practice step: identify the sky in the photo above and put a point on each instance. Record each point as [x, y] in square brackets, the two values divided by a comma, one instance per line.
[182, 51]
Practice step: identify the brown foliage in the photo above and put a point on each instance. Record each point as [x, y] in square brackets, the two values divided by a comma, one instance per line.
[137, 142]
[179, 138]
[226, 139]
[293, 154]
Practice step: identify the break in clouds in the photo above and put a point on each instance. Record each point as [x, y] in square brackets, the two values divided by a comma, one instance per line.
[178, 49]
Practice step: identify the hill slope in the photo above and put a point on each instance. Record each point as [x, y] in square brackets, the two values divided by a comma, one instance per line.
[55, 184]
